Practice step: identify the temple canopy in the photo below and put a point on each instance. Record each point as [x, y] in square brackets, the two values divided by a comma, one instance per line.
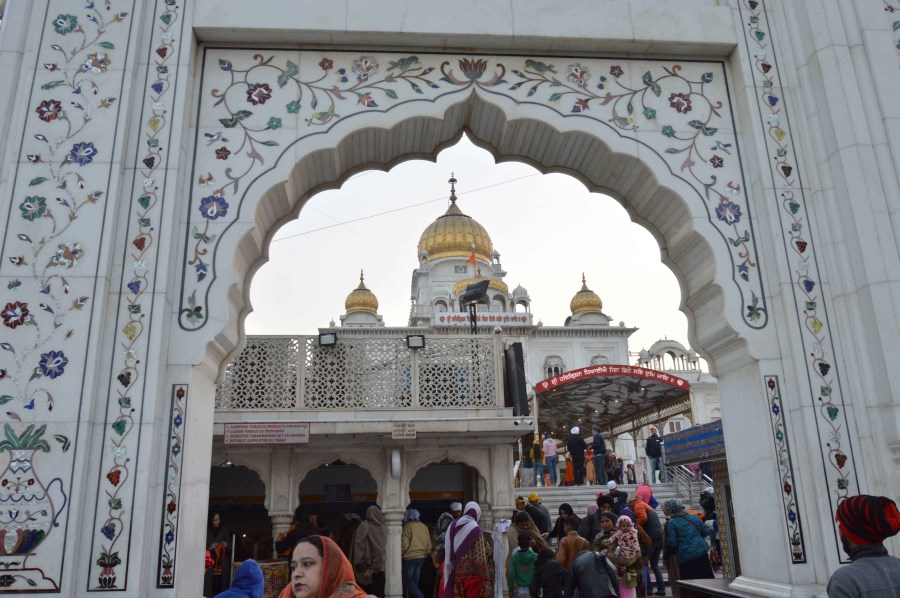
[612, 398]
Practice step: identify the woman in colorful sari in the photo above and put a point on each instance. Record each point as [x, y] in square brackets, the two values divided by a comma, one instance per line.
[319, 569]
[469, 559]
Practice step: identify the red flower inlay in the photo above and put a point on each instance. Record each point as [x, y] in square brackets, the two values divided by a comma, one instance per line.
[15, 314]
[258, 93]
[680, 102]
[49, 110]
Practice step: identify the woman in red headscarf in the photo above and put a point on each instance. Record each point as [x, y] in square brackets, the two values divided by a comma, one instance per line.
[469, 559]
[319, 569]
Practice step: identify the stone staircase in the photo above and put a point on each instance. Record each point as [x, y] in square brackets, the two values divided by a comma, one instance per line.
[579, 497]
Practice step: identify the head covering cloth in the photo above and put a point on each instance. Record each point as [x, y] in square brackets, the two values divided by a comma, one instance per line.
[411, 515]
[866, 519]
[338, 579]
[672, 507]
[461, 536]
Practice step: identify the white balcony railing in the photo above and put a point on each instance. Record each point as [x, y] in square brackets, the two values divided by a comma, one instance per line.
[378, 372]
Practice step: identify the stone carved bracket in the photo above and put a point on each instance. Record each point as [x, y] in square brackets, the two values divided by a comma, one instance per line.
[255, 106]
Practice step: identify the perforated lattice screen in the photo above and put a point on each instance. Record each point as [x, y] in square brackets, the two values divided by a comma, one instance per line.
[264, 375]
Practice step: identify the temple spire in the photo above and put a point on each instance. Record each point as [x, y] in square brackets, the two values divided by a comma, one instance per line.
[452, 182]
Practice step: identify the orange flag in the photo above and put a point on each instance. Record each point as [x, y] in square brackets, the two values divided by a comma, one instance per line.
[471, 259]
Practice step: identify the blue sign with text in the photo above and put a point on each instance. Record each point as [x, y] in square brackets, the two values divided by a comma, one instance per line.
[695, 444]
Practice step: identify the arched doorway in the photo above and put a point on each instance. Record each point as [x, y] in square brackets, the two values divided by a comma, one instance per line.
[690, 213]
[436, 485]
[237, 496]
[335, 489]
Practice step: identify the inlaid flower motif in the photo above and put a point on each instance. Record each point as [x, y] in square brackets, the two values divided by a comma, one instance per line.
[222, 153]
[64, 24]
[616, 71]
[680, 102]
[578, 74]
[717, 162]
[53, 364]
[83, 153]
[728, 212]
[473, 69]
[258, 93]
[365, 67]
[775, 408]
[178, 421]
[170, 537]
[49, 110]
[96, 63]
[108, 530]
[213, 206]
[326, 64]
[170, 508]
[14, 314]
[274, 123]
[67, 255]
[33, 207]
[668, 131]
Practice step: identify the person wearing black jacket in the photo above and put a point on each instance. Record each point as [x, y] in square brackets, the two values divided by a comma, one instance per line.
[550, 578]
[592, 576]
[577, 447]
[599, 447]
[654, 453]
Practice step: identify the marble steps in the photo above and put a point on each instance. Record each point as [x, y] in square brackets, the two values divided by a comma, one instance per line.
[579, 497]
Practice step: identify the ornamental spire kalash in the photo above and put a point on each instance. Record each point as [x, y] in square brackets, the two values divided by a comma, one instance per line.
[455, 235]
[585, 301]
[362, 306]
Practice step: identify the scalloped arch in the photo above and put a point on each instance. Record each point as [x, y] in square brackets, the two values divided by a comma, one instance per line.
[641, 182]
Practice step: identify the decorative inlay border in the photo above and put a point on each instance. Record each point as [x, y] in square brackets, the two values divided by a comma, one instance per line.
[892, 9]
[57, 206]
[168, 535]
[815, 332]
[785, 469]
[124, 403]
[255, 105]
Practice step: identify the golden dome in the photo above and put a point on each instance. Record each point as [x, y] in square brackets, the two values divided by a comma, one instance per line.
[585, 300]
[455, 235]
[361, 299]
[493, 284]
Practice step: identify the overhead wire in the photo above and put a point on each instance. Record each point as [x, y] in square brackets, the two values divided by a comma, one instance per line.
[407, 207]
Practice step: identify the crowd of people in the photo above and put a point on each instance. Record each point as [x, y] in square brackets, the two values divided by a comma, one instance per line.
[577, 462]
[610, 552]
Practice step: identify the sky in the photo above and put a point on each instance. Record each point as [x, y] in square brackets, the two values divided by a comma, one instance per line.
[548, 229]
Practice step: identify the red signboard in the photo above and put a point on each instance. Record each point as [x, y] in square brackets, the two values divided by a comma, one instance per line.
[596, 371]
[267, 433]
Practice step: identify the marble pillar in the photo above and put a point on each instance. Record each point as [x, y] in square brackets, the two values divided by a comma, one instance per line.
[393, 587]
[281, 522]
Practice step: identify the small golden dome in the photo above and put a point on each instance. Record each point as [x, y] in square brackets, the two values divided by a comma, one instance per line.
[455, 235]
[361, 299]
[493, 284]
[585, 300]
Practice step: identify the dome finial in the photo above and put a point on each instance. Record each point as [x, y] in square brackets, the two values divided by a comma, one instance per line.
[452, 182]
[361, 276]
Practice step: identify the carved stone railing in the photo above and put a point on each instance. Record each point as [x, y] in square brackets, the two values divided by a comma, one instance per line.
[361, 372]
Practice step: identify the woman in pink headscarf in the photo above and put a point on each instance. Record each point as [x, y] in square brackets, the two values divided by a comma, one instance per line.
[469, 559]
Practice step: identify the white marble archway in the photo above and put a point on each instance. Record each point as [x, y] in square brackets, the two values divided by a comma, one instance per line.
[120, 307]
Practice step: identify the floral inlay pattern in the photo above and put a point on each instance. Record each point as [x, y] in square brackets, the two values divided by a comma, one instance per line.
[115, 507]
[800, 254]
[172, 483]
[255, 108]
[58, 203]
[892, 9]
[785, 469]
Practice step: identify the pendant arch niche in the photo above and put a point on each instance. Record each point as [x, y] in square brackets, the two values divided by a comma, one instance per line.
[303, 139]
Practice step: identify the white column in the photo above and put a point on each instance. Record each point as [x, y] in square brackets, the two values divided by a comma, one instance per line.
[280, 524]
[393, 587]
